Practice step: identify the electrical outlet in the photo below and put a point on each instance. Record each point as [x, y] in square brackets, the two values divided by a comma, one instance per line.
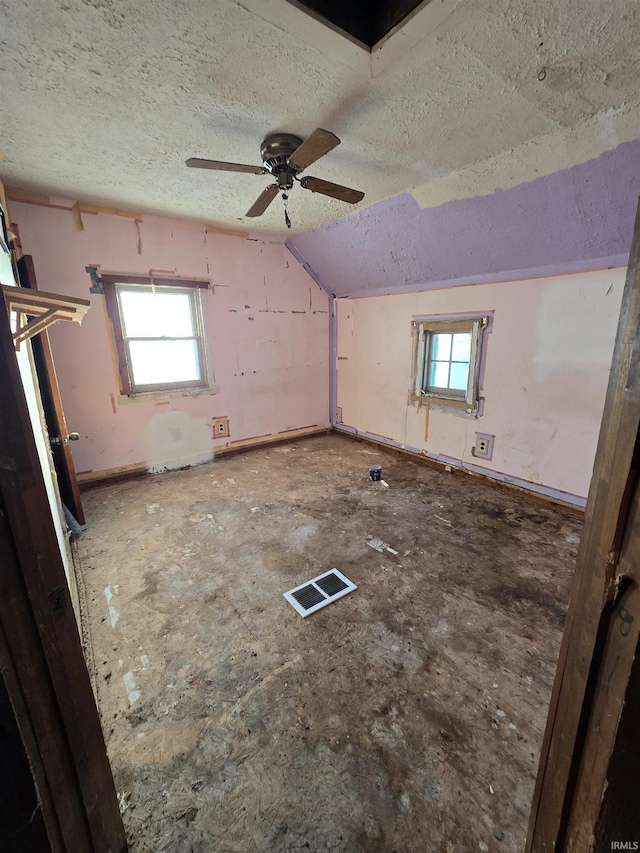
[484, 446]
[338, 415]
[221, 427]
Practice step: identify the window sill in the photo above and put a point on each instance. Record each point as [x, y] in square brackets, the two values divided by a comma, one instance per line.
[446, 403]
[153, 396]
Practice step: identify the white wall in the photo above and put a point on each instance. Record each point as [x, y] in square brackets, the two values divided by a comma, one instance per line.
[545, 376]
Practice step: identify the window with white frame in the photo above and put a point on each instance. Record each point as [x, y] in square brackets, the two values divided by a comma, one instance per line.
[447, 359]
[158, 331]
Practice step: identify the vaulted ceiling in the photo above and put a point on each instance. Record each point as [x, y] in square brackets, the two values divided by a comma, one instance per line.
[104, 100]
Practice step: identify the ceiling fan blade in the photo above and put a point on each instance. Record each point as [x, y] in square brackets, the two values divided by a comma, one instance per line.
[317, 145]
[263, 201]
[316, 185]
[197, 163]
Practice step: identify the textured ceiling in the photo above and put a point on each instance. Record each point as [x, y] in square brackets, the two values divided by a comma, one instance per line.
[104, 100]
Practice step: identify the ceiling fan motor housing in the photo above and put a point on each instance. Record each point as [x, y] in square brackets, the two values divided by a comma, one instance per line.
[275, 152]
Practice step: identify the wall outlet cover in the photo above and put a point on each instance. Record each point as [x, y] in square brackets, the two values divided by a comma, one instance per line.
[484, 446]
[221, 427]
[338, 414]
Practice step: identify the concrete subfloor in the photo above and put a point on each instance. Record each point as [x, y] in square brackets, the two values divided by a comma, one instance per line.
[407, 716]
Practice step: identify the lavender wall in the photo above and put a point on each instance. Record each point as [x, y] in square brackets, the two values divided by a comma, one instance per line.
[562, 222]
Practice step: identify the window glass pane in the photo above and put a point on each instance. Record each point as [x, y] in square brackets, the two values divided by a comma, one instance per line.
[461, 350]
[156, 315]
[459, 376]
[441, 348]
[162, 362]
[439, 374]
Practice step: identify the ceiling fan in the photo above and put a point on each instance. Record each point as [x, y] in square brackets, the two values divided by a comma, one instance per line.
[284, 156]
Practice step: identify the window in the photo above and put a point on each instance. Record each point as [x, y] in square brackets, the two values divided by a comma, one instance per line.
[447, 360]
[158, 332]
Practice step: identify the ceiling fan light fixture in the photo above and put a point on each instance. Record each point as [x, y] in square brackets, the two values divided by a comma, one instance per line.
[284, 156]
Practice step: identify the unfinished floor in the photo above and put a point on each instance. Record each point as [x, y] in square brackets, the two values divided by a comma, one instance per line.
[407, 716]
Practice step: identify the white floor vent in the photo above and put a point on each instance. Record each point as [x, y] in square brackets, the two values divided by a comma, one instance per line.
[318, 592]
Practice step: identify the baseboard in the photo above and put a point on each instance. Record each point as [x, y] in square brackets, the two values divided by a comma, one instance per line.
[270, 440]
[92, 479]
[452, 467]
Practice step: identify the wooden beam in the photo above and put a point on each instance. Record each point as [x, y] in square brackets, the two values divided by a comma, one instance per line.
[560, 796]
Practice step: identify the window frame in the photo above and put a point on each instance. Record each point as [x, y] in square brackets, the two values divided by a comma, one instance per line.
[112, 284]
[424, 328]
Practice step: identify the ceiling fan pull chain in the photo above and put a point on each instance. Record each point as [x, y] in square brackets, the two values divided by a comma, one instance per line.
[285, 198]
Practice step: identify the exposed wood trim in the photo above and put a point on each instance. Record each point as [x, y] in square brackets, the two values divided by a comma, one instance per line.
[113, 313]
[77, 208]
[433, 400]
[113, 211]
[77, 215]
[52, 402]
[596, 585]
[162, 280]
[243, 445]
[91, 479]
[44, 308]
[28, 197]
[226, 232]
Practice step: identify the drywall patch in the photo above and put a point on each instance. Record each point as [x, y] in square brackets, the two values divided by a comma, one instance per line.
[588, 338]
[175, 439]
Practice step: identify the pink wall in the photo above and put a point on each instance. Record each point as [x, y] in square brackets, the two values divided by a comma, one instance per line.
[547, 365]
[269, 361]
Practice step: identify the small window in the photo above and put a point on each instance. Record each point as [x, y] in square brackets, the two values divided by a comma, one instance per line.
[158, 333]
[447, 360]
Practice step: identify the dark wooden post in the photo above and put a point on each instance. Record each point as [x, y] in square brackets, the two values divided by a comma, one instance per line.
[603, 621]
[40, 654]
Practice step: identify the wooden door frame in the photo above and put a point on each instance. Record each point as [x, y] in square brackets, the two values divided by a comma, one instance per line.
[40, 652]
[66, 478]
[596, 656]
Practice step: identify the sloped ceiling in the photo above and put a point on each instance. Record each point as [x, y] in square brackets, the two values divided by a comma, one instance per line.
[104, 100]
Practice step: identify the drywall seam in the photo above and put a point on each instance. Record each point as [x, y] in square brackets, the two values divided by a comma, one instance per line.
[525, 485]
[569, 268]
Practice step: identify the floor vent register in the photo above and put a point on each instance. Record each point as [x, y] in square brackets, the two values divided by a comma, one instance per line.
[318, 592]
